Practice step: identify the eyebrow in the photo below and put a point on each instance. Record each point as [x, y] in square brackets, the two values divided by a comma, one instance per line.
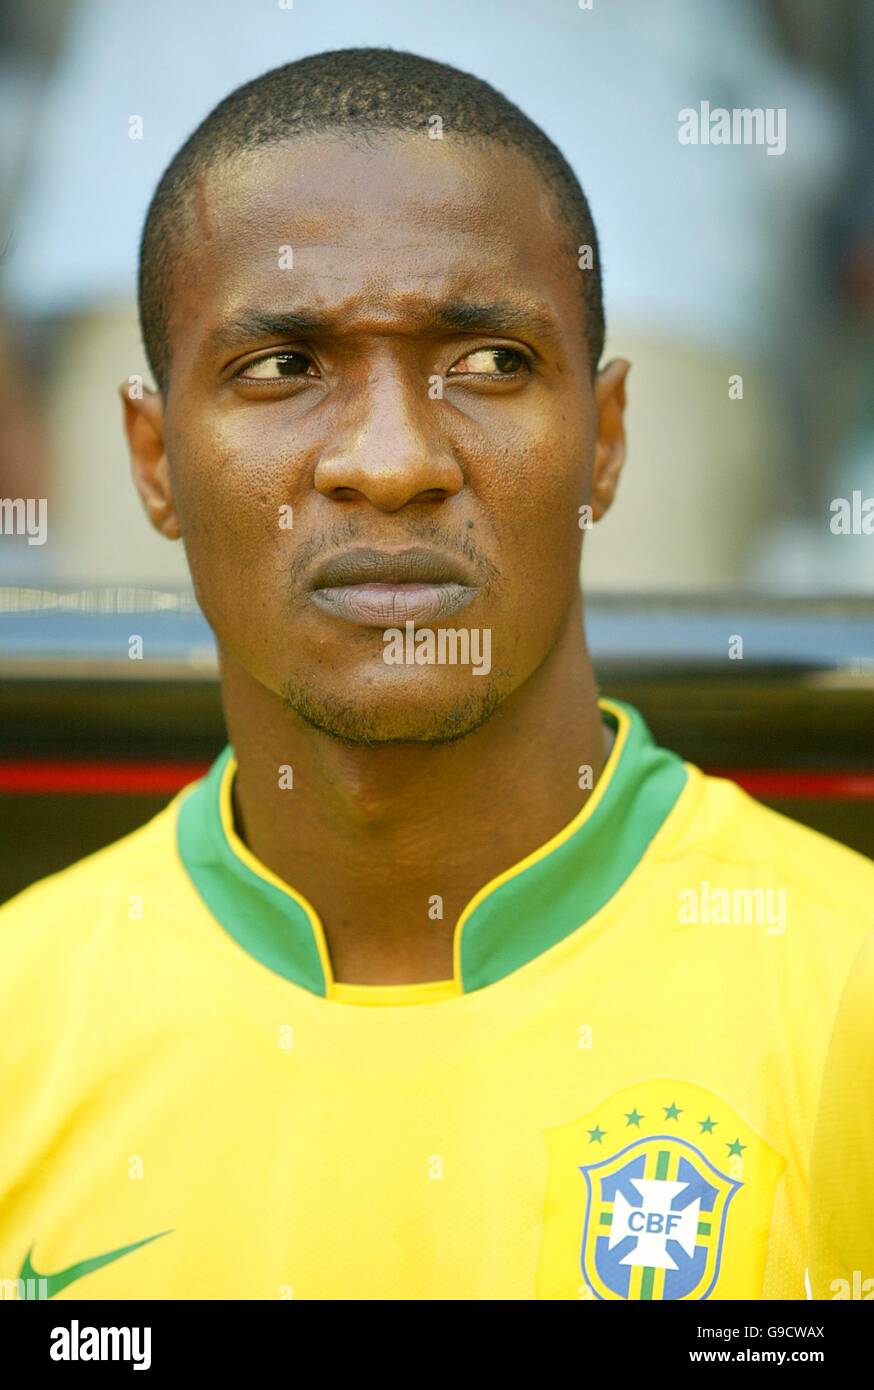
[500, 317]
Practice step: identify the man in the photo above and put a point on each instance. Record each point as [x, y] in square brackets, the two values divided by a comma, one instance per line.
[429, 988]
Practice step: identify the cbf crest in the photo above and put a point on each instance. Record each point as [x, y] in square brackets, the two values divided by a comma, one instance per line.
[655, 1221]
[660, 1192]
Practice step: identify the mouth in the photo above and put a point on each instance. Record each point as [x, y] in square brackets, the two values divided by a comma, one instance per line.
[373, 588]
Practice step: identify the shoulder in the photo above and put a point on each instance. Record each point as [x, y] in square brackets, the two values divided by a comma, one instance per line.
[89, 956]
[852, 1047]
[720, 822]
[54, 917]
[842, 1197]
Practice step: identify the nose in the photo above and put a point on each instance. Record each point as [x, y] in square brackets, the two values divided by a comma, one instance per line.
[389, 449]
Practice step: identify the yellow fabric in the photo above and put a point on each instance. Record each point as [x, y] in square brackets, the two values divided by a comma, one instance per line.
[425, 993]
[842, 1190]
[157, 1078]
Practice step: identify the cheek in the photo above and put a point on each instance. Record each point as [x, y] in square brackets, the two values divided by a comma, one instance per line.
[534, 493]
[228, 490]
[532, 499]
[230, 522]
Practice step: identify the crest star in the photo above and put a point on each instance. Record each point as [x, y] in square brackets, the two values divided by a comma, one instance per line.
[671, 1111]
[708, 1125]
[632, 1117]
[596, 1135]
[737, 1147]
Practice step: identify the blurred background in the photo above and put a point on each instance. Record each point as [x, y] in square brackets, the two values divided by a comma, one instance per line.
[720, 263]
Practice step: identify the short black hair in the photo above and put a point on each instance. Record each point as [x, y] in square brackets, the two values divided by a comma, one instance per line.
[354, 90]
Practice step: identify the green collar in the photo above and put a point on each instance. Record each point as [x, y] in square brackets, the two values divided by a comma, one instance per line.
[515, 917]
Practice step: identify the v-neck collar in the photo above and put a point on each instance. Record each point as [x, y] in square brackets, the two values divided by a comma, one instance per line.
[516, 916]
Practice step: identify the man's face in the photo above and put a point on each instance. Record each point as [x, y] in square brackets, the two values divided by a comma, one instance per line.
[381, 417]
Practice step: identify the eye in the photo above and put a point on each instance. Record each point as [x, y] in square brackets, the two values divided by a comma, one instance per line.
[279, 366]
[490, 361]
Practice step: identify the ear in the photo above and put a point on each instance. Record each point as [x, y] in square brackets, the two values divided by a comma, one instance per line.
[610, 441]
[144, 427]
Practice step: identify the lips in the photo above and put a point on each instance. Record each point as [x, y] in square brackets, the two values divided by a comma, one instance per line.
[375, 588]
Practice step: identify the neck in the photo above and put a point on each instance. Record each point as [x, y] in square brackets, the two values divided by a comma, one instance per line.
[389, 843]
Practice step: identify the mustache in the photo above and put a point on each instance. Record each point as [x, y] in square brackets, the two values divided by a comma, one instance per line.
[357, 534]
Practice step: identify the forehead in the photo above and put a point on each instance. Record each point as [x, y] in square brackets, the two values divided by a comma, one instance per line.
[388, 229]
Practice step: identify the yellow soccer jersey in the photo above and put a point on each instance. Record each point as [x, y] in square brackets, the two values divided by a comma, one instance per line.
[842, 1191]
[612, 1098]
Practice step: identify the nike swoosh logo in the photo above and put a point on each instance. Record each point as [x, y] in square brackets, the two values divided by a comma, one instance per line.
[55, 1282]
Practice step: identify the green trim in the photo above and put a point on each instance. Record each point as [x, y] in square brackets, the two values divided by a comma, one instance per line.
[518, 920]
[544, 903]
[261, 918]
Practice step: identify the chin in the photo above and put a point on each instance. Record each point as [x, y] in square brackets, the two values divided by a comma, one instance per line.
[397, 717]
